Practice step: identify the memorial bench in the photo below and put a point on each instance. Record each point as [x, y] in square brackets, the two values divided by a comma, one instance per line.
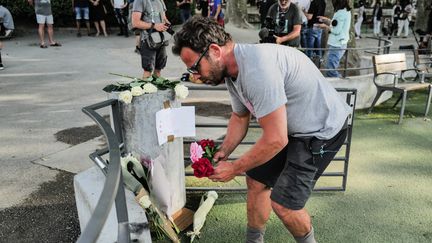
[395, 65]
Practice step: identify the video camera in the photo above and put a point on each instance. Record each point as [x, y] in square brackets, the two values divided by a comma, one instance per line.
[272, 29]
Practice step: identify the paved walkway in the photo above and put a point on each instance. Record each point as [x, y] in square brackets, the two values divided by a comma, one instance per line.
[42, 92]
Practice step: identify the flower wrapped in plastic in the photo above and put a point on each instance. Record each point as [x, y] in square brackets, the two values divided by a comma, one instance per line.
[137, 176]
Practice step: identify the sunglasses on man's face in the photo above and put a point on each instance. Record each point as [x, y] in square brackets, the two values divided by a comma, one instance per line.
[194, 69]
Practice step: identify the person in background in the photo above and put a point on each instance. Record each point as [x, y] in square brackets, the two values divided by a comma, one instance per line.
[121, 12]
[303, 6]
[203, 6]
[137, 32]
[338, 28]
[405, 19]
[215, 11]
[396, 12]
[81, 10]
[360, 18]
[185, 9]
[313, 40]
[377, 14]
[44, 16]
[264, 6]
[288, 22]
[97, 14]
[6, 21]
[149, 16]
[299, 113]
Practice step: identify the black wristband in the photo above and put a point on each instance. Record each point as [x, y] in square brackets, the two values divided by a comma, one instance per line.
[152, 25]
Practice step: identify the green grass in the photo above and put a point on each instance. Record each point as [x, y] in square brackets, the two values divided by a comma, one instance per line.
[389, 190]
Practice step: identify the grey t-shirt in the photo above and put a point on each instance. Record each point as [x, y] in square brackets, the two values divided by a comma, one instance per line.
[6, 18]
[272, 75]
[150, 13]
[43, 7]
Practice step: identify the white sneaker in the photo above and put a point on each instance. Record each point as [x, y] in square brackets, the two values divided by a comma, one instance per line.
[8, 33]
[1, 66]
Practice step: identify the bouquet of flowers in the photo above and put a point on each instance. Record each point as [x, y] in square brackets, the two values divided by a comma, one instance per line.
[201, 155]
[149, 85]
[137, 175]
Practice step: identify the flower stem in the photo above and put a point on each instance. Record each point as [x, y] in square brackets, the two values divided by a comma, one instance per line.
[126, 76]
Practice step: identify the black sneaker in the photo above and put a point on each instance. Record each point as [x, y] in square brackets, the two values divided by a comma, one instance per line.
[137, 50]
[1, 66]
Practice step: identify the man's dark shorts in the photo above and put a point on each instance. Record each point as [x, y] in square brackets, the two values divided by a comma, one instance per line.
[292, 173]
[153, 59]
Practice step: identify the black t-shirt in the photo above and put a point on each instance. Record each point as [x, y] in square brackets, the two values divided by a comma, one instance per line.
[292, 17]
[317, 8]
[186, 5]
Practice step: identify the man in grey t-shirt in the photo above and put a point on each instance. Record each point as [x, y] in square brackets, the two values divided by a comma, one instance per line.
[300, 114]
[44, 16]
[149, 16]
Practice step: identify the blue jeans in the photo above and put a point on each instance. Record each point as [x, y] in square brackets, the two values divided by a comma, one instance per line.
[314, 41]
[185, 14]
[303, 36]
[334, 56]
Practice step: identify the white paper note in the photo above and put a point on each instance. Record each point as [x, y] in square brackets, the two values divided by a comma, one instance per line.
[179, 122]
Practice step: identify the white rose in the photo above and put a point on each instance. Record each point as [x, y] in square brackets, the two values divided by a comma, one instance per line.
[145, 201]
[126, 97]
[181, 91]
[149, 88]
[137, 91]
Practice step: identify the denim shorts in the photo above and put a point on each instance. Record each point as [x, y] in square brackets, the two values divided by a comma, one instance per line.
[81, 13]
[292, 173]
[153, 59]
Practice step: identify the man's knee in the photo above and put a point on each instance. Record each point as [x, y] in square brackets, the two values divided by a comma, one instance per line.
[255, 186]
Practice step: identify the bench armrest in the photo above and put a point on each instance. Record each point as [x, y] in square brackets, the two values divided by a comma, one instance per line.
[408, 70]
[395, 77]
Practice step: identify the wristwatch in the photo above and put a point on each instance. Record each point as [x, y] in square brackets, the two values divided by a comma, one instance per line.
[152, 25]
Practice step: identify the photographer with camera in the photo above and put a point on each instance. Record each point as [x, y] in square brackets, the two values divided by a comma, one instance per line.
[283, 24]
[149, 16]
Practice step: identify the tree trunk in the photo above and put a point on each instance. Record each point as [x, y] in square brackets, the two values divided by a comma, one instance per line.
[422, 15]
[237, 14]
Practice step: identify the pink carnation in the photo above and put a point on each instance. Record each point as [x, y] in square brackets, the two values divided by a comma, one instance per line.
[195, 152]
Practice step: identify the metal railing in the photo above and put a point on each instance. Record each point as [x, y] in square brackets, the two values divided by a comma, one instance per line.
[351, 95]
[383, 47]
[113, 189]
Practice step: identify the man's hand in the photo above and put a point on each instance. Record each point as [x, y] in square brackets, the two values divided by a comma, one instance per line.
[220, 155]
[161, 27]
[322, 26]
[224, 172]
[279, 39]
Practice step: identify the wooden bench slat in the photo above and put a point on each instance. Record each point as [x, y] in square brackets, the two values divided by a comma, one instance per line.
[390, 67]
[388, 58]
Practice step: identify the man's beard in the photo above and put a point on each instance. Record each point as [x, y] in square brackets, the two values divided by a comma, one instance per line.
[216, 75]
